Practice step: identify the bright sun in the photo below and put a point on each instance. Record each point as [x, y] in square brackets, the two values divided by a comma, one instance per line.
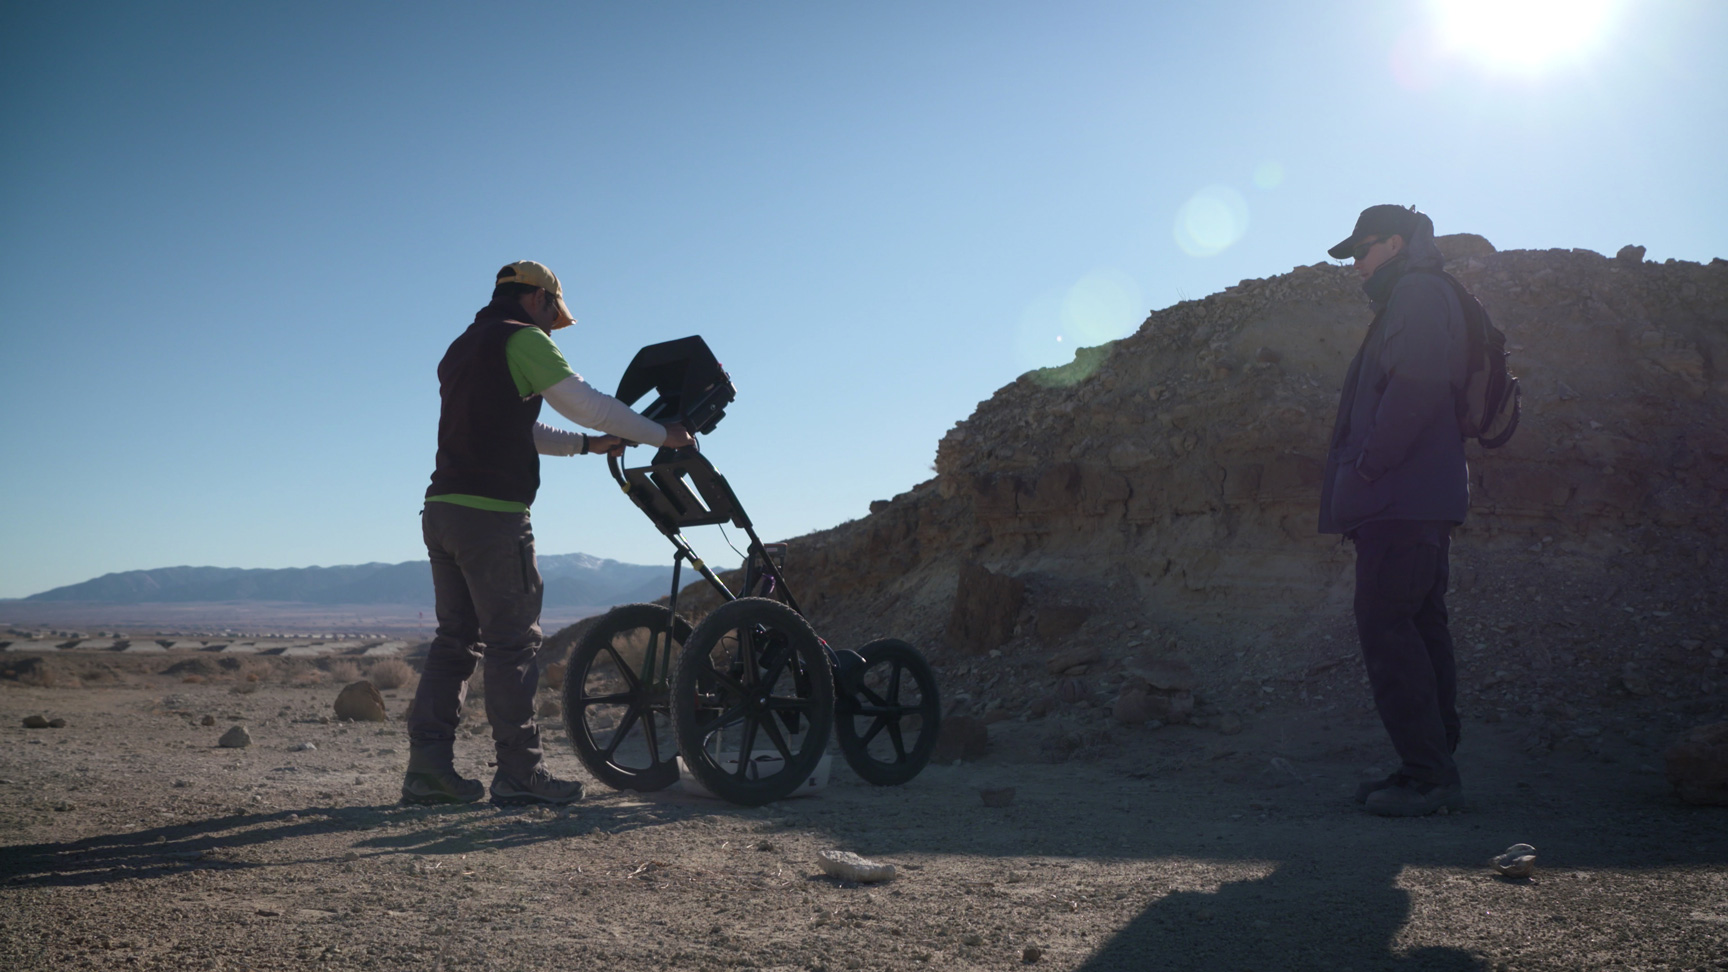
[1522, 34]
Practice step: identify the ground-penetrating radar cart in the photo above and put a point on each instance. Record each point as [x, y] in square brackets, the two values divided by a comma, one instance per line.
[747, 697]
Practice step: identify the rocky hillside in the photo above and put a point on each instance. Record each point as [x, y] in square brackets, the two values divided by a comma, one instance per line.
[1156, 498]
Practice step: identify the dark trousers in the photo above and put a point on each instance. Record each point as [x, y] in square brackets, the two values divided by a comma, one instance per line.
[488, 592]
[1401, 576]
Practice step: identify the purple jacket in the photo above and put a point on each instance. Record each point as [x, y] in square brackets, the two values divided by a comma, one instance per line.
[1397, 452]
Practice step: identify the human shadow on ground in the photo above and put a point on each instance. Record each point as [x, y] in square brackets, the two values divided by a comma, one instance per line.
[1330, 892]
[1303, 915]
[381, 830]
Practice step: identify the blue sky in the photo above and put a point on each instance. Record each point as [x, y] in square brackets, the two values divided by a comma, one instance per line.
[236, 238]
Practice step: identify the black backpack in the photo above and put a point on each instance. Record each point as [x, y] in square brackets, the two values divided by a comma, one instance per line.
[1490, 402]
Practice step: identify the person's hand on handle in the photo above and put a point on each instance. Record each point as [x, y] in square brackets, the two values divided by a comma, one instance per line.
[609, 444]
[677, 437]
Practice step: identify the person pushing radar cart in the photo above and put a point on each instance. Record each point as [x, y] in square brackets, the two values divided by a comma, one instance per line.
[491, 384]
[747, 698]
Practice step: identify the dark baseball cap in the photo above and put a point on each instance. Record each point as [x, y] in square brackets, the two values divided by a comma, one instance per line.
[1379, 222]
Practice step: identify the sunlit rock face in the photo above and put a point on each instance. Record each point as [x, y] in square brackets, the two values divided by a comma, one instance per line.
[1170, 480]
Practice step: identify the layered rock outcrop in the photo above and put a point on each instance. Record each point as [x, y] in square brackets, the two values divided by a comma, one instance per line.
[1159, 493]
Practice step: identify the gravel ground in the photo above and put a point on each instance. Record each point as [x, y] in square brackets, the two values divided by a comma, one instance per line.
[130, 840]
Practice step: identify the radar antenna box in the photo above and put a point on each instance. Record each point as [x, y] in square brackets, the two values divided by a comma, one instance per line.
[690, 386]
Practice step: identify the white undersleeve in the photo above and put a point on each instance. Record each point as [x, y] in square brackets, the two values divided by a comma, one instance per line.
[549, 441]
[579, 402]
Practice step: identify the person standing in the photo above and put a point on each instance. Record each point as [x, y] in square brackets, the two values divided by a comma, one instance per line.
[492, 381]
[1395, 484]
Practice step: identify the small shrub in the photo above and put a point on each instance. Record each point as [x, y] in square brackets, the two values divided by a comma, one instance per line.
[190, 666]
[390, 673]
[258, 669]
[344, 671]
[44, 677]
[99, 675]
[552, 675]
[28, 671]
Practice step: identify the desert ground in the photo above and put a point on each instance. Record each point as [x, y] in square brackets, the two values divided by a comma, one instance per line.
[129, 839]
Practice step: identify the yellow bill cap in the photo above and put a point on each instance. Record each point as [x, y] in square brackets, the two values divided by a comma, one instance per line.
[537, 275]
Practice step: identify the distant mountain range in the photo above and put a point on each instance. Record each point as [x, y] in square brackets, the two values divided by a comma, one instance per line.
[572, 580]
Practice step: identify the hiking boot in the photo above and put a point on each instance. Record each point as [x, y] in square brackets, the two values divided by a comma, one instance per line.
[440, 786]
[539, 787]
[1408, 798]
[1364, 789]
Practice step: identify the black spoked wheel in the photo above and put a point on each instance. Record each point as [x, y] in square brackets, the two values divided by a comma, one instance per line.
[888, 714]
[616, 692]
[752, 701]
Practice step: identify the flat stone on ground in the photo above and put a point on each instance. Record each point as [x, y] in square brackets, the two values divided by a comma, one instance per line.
[848, 866]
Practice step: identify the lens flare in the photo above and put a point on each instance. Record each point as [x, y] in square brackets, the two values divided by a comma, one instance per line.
[1418, 60]
[1038, 335]
[1268, 175]
[1100, 307]
[1211, 221]
[1085, 365]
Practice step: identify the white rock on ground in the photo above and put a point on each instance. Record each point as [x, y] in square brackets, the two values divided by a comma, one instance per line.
[850, 867]
[1518, 861]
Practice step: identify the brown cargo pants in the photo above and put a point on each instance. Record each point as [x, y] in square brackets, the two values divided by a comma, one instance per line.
[488, 594]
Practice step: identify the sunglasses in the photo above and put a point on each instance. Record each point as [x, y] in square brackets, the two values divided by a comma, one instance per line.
[1362, 248]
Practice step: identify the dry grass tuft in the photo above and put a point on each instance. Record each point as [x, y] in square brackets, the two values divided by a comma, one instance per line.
[194, 680]
[102, 674]
[39, 672]
[256, 669]
[552, 674]
[390, 673]
[44, 678]
[344, 670]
